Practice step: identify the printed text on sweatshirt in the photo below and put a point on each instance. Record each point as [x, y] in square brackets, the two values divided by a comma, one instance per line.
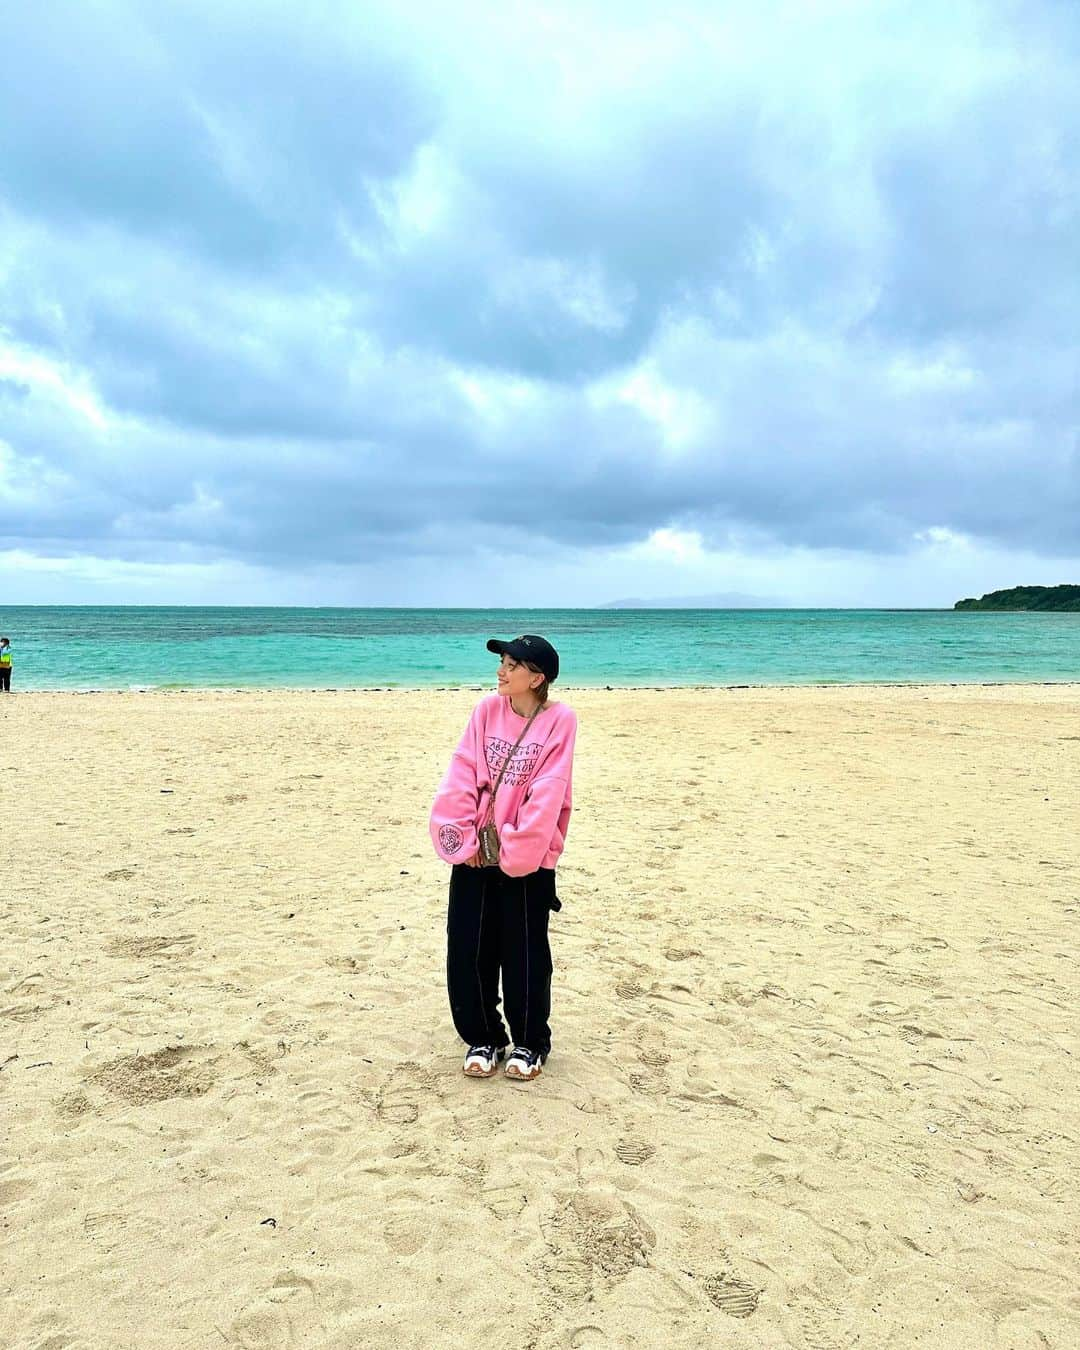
[532, 807]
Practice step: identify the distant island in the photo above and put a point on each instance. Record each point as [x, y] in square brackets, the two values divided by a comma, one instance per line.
[714, 600]
[1027, 597]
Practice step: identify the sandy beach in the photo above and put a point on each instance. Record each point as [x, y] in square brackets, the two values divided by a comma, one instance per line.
[814, 1074]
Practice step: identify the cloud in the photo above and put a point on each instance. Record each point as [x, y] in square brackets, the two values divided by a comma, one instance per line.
[681, 546]
[374, 287]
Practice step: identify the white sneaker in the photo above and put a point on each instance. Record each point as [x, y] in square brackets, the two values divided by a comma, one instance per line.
[524, 1064]
[481, 1061]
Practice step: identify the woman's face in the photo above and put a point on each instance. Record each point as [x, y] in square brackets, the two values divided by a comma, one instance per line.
[515, 678]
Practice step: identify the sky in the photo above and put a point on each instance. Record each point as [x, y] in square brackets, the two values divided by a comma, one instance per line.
[538, 305]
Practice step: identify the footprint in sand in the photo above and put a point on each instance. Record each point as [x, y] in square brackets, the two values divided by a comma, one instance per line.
[914, 1035]
[629, 989]
[262, 1058]
[822, 1327]
[473, 1170]
[588, 1161]
[150, 946]
[730, 992]
[73, 1106]
[593, 1236]
[568, 1277]
[176, 1071]
[397, 1104]
[120, 874]
[293, 1311]
[928, 944]
[1048, 1184]
[111, 1230]
[406, 1233]
[29, 984]
[774, 1178]
[505, 1202]
[633, 1152]
[737, 1298]
[402, 1148]
[586, 1338]
[232, 798]
[262, 1328]
[44, 1325]
[651, 1084]
[14, 1190]
[25, 1012]
[347, 965]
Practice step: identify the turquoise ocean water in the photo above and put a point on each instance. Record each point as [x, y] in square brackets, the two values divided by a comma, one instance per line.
[140, 647]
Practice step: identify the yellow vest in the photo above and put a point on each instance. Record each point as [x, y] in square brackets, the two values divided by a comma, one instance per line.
[5, 657]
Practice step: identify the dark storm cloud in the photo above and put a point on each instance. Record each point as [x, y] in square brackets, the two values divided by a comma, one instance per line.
[352, 284]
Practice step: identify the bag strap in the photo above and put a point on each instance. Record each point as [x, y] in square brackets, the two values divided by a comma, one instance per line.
[506, 763]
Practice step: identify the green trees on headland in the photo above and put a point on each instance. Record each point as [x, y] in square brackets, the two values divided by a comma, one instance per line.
[1027, 597]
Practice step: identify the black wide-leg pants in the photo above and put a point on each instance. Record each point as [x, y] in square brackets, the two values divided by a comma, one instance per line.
[499, 925]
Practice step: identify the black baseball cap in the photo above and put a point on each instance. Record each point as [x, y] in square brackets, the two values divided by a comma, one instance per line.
[537, 651]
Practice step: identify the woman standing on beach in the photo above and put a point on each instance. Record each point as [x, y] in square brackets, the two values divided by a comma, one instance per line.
[500, 818]
[5, 665]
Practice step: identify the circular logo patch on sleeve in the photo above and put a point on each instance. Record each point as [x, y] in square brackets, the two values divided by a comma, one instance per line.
[451, 838]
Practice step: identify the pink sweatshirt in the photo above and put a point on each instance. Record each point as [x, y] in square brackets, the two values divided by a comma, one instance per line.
[532, 809]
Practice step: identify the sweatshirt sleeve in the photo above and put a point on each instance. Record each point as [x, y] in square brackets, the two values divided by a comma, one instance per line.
[522, 846]
[453, 815]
